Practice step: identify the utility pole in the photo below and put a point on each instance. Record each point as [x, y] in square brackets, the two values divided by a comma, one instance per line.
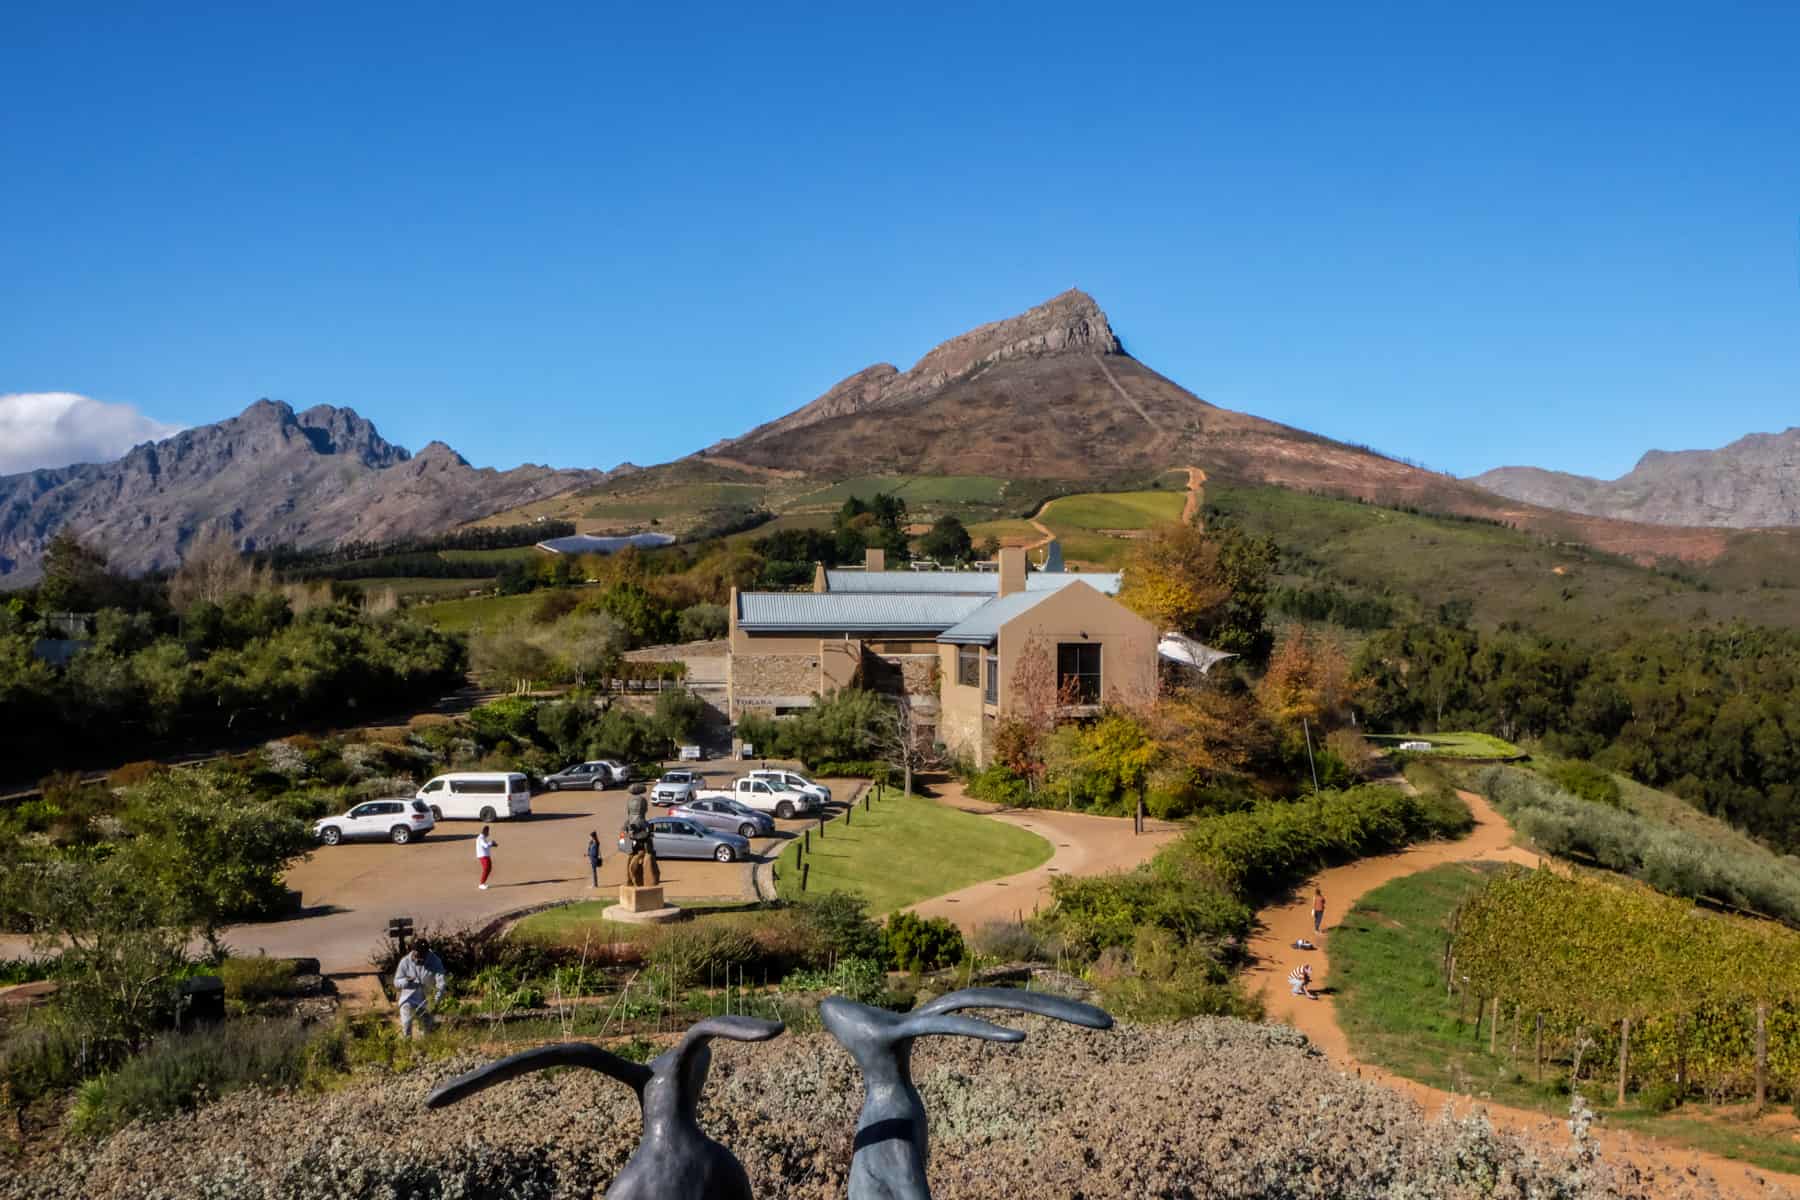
[1313, 767]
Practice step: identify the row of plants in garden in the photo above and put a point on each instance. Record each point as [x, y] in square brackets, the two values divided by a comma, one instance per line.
[1596, 831]
[1607, 965]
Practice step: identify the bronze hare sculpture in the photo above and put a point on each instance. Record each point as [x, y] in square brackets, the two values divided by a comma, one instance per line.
[674, 1159]
[890, 1150]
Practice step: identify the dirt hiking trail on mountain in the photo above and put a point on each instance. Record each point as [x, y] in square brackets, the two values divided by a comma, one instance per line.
[1273, 956]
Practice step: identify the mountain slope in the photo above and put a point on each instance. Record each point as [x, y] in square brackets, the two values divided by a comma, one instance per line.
[1752, 483]
[268, 475]
[1052, 393]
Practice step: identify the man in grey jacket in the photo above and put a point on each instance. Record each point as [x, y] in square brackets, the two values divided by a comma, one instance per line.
[418, 968]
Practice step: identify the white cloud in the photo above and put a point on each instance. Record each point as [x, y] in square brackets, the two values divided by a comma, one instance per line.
[55, 429]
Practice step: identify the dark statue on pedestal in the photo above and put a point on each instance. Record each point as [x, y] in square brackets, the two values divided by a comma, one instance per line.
[674, 1159]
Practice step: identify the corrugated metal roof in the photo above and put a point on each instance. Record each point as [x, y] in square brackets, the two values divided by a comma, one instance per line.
[983, 625]
[971, 583]
[849, 612]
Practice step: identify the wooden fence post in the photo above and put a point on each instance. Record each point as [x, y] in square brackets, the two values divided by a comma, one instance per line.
[1624, 1055]
[1762, 1056]
[1494, 1029]
[1538, 1053]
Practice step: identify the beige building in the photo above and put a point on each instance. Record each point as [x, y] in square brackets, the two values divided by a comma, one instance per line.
[967, 648]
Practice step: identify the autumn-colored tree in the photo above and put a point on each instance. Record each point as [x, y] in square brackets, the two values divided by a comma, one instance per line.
[1354, 749]
[1308, 680]
[1207, 731]
[1174, 578]
[213, 570]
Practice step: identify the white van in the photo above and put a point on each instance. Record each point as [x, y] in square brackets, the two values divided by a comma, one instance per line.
[478, 796]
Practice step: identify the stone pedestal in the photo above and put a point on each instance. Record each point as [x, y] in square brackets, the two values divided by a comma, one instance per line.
[641, 906]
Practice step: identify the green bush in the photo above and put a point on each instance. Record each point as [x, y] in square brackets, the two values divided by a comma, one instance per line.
[1010, 941]
[863, 980]
[702, 952]
[1587, 781]
[916, 943]
[842, 920]
[998, 784]
[871, 769]
[1093, 913]
[40, 1057]
[252, 979]
[178, 1071]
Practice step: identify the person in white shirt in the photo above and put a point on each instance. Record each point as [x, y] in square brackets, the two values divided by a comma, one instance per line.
[418, 968]
[484, 854]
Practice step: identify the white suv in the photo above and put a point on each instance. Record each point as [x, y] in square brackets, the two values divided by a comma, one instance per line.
[399, 821]
[793, 781]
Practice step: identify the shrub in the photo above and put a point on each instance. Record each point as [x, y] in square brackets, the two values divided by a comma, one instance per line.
[860, 979]
[1587, 781]
[916, 943]
[999, 784]
[1010, 941]
[870, 769]
[702, 952]
[842, 921]
[252, 979]
[177, 1071]
[133, 773]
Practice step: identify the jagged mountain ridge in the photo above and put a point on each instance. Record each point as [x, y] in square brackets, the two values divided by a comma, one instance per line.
[1752, 483]
[1052, 393]
[268, 475]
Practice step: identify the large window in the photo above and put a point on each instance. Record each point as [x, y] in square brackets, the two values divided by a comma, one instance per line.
[1078, 672]
[968, 666]
[993, 679]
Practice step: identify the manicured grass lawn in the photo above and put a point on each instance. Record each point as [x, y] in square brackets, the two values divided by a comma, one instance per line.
[462, 616]
[407, 585]
[1452, 745]
[907, 849]
[581, 922]
[1385, 962]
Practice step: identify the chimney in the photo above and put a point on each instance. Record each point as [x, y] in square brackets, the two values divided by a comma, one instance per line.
[819, 581]
[1012, 569]
[874, 560]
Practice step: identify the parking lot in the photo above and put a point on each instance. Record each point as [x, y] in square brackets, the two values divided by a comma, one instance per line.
[350, 891]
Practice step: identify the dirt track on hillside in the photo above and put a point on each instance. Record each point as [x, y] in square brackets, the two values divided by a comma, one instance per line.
[1490, 841]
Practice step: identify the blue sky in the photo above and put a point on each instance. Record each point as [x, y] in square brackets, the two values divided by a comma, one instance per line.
[1557, 235]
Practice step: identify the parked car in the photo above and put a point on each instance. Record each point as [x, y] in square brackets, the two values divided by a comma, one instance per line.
[478, 796]
[765, 797]
[793, 781]
[399, 821]
[676, 838]
[677, 787]
[594, 776]
[728, 815]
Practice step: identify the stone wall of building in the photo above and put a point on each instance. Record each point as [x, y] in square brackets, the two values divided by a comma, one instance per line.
[763, 680]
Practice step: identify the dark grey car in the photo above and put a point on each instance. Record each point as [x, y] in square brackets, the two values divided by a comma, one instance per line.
[727, 815]
[591, 775]
[675, 838]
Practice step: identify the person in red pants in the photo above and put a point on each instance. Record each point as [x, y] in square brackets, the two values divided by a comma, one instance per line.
[484, 854]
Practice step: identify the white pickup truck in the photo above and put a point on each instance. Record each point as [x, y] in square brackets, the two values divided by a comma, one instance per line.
[767, 797]
[793, 781]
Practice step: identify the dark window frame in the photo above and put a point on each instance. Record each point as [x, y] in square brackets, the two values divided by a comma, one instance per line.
[991, 694]
[1083, 663]
[968, 666]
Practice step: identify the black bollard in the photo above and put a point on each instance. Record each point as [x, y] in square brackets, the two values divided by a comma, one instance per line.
[805, 870]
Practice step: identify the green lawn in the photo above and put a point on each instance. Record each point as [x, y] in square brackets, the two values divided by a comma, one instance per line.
[1087, 524]
[407, 586]
[581, 923]
[464, 616]
[1452, 745]
[1385, 963]
[906, 849]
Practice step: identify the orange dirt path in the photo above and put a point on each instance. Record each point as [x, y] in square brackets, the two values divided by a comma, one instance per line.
[1490, 841]
[1196, 481]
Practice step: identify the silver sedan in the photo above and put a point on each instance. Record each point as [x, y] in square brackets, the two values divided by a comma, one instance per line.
[675, 838]
[727, 815]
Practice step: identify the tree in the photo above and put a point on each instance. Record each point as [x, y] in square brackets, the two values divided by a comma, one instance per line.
[1308, 681]
[947, 541]
[1207, 732]
[702, 622]
[77, 577]
[1173, 578]
[213, 571]
[902, 741]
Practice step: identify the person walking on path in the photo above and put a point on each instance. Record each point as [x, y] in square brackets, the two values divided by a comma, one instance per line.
[1318, 909]
[484, 854]
[593, 855]
[418, 968]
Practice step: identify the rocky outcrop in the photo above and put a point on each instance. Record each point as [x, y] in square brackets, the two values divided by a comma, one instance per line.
[1071, 323]
[1752, 483]
[268, 475]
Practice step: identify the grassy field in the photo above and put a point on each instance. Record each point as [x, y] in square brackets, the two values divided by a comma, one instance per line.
[1087, 524]
[1452, 745]
[411, 587]
[464, 616]
[1420, 562]
[916, 490]
[907, 849]
[671, 505]
[580, 923]
[525, 554]
[1385, 959]
[1010, 532]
